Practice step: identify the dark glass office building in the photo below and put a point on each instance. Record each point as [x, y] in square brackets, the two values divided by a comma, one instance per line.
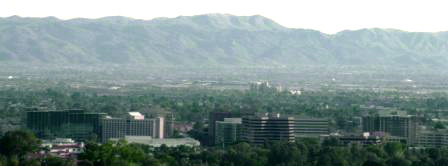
[75, 124]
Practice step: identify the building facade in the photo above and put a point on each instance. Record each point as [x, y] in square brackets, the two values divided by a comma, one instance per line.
[310, 127]
[267, 128]
[395, 125]
[134, 125]
[228, 131]
[169, 142]
[80, 125]
[169, 125]
[212, 119]
[432, 139]
[363, 140]
[75, 124]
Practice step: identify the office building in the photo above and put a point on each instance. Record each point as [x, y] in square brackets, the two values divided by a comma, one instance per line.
[134, 125]
[213, 118]
[169, 125]
[259, 129]
[75, 124]
[228, 131]
[310, 127]
[432, 139]
[393, 123]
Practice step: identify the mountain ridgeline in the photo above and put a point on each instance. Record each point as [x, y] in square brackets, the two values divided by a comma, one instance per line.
[210, 40]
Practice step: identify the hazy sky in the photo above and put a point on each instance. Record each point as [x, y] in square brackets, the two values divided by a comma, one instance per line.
[328, 16]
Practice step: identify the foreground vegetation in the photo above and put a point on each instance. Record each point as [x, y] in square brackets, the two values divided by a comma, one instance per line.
[21, 148]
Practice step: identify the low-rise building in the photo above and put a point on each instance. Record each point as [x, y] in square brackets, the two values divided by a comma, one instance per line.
[432, 139]
[170, 142]
[365, 138]
[63, 147]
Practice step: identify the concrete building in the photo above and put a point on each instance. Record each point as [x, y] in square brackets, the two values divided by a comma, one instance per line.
[259, 129]
[227, 131]
[364, 139]
[75, 124]
[170, 142]
[432, 139]
[311, 127]
[393, 123]
[169, 125]
[134, 125]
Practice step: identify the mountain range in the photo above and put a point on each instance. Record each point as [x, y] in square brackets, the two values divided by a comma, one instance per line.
[210, 40]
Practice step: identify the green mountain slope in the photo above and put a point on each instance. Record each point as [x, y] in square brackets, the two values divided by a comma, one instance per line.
[210, 40]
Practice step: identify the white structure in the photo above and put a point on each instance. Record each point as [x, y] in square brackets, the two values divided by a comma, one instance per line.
[134, 125]
[64, 147]
[136, 116]
[159, 128]
[170, 142]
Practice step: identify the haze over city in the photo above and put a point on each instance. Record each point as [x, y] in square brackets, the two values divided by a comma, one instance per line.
[223, 83]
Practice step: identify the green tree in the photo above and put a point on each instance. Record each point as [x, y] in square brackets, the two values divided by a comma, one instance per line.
[18, 143]
[394, 149]
[398, 161]
[284, 153]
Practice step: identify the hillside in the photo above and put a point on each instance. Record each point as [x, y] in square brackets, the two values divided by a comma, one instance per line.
[210, 40]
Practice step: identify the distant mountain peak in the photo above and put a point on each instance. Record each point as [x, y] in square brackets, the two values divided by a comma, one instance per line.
[228, 21]
[210, 39]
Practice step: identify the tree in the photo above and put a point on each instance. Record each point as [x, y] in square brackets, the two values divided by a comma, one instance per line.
[373, 163]
[394, 149]
[284, 153]
[18, 143]
[439, 125]
[398, 161]
[3, 160]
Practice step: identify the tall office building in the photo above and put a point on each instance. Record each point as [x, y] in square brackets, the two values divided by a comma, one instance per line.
[75, 124]
[134, 125]
[259, 129]
[227, 131]
[395, 124]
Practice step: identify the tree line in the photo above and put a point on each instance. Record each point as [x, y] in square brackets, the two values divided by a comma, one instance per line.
[21, 147]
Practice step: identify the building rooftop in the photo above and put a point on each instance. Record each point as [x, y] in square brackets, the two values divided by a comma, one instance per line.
[231, 120]
[170, 142]
[136, 115]
[387, 113]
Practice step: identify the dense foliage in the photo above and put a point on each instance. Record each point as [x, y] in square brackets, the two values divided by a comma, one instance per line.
[302, 152]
